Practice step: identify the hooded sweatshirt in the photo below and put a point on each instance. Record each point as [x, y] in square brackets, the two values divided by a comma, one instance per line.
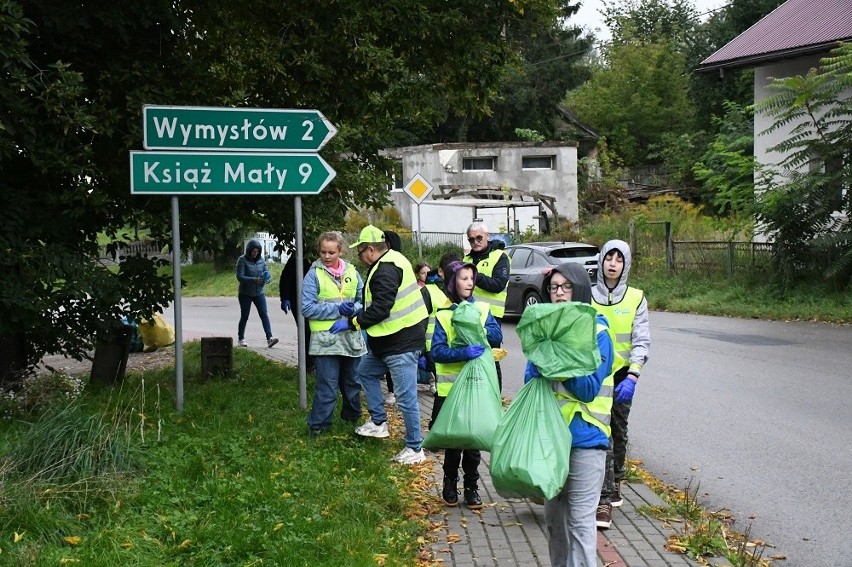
[584, 388]
[248, 270]
[640, 336]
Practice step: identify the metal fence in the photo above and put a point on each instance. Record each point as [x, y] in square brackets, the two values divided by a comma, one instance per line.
[720, 257]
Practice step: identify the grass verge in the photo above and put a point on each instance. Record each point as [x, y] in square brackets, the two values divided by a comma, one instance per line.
[234, 480]
[699, 533]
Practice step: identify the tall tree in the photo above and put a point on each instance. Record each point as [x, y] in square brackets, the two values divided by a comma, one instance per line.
[552, 61]
[639, 95]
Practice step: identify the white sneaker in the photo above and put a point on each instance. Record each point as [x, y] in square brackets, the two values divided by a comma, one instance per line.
[242, 342]
[370, 429]
[390, 399]
[409, 456]
[271, 342]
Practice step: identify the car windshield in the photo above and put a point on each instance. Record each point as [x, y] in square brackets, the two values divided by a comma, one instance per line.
[577, 252]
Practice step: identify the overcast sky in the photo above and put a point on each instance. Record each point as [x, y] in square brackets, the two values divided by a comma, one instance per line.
[589, 16]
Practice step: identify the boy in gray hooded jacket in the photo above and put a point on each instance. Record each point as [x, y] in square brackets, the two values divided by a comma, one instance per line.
[626, 309]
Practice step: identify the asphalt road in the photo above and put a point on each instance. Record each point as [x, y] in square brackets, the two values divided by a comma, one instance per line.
[755, 414]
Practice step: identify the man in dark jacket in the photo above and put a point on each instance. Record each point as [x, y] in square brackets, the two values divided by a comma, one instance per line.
[392, 317]
[290, 299]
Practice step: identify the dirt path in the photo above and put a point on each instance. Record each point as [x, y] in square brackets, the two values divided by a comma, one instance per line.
[135, 361]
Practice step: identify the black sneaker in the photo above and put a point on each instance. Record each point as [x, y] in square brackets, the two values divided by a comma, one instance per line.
[472, 499]
[603, 517]
[615, 499]
[450, 493]
[314, 433]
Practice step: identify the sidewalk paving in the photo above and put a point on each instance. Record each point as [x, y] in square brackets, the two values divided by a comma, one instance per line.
[511, 531]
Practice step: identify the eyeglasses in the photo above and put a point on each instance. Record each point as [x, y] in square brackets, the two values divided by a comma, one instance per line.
[566, 287]
[362, 250]
[476, 239]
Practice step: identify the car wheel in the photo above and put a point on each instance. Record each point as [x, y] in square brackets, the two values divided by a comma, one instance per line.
[531, 298]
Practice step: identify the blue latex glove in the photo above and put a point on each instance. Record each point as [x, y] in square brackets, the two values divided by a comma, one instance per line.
[339, 326]
[347, 308]
[421, 362]
[267, 277]
[624, 391]
[472, 351]
[285, 305]
[531, 371]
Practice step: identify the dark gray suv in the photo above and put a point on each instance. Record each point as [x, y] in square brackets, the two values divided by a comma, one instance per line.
[530, 260]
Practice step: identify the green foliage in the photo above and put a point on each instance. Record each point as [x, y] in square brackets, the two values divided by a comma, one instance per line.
[650, 21]
[527, 135]
[67, 445]
[640, 94]
[598, 182]
[727, 167]
[550, 61]
[233, 480]
[807, 208]
[37, 393]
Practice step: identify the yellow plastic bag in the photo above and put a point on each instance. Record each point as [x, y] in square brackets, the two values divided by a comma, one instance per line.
[499, 353]
[156, 332]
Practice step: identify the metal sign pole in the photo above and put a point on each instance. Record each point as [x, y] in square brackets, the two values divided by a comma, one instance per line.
[419, 235]
[300, 320]
[178, 313]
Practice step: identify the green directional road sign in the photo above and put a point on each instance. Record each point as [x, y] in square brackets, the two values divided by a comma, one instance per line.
[207, 173]
[234, 129]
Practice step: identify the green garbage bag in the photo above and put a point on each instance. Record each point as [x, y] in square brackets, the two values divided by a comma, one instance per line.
[560, 339]
[532, 446]
[472, 410]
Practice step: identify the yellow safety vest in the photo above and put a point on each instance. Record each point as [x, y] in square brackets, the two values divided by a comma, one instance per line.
[448, 372]
[598, 411]
[329, 292]
[496, 301]
[408, 307]
[620, 316]
[439, 301]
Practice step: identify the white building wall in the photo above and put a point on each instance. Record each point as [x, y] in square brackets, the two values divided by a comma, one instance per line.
[443, 164]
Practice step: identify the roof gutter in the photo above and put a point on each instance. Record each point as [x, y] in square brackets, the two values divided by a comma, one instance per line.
[756, 60]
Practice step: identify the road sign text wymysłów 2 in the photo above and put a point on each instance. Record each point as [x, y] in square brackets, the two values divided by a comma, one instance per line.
[235, 129]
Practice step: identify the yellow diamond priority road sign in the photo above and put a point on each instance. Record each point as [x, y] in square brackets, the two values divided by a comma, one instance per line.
[418, 188]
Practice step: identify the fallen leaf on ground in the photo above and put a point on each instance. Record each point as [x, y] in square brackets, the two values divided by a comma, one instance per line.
[72, 539]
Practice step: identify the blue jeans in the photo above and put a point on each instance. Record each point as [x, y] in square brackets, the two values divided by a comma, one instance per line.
[245, 308]
[335, 372]
[570, 517]
[403, 371]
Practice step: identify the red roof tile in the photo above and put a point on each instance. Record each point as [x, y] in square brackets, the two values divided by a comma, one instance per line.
[794, 28]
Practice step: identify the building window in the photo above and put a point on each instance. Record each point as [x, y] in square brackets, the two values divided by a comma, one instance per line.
[479, 164]
[538, 162]
[397, 183]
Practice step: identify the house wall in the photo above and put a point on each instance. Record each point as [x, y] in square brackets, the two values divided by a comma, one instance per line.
[762, 78]
[442, 164]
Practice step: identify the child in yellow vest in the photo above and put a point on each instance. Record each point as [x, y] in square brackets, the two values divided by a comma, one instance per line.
[459, 285]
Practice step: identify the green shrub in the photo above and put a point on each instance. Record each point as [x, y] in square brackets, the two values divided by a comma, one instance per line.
[34, 394]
